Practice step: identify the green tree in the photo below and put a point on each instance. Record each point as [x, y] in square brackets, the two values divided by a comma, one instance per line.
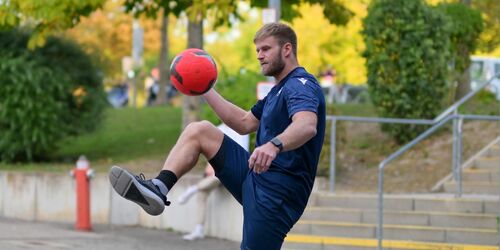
[47, 93]
[153, 9]
[466, 26]
[407, 52]
[333, 10]
[44, 16]
[324, 45]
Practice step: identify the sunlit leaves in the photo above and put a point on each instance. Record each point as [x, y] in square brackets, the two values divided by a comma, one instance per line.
[45, 16]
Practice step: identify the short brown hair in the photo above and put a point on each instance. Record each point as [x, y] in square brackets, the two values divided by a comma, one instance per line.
[280, 31]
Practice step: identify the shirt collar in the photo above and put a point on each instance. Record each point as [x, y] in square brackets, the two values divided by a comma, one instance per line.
[291, 73]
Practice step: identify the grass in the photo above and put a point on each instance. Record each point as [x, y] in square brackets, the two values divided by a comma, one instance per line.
[36, 167]
[366, 110]
[126, 134]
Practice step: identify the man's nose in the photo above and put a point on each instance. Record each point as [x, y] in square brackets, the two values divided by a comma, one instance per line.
[260, 55]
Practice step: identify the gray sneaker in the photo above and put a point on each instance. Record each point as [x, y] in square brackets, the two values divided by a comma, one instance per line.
[139, 190]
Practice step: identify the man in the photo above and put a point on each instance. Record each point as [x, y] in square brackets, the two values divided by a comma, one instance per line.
[274, 182]
[206, 185]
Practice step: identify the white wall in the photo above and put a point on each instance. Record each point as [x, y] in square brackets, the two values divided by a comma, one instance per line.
[51, 197]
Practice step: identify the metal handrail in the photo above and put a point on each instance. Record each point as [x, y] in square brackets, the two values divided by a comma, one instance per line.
[333, 135]
[399, 152]
[447, 115]
[451, 113]
[465, 98]
[452, 109]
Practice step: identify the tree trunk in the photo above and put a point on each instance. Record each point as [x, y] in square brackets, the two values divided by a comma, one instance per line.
[163, 62]
[191, 104]
[463, 78]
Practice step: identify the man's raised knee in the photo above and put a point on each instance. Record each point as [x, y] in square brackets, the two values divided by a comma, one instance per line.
[199, 127]
[208, 136]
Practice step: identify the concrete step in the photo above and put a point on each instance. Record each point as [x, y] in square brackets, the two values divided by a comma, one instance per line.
[492, 162]
[437, 219]
[468, 187]
[314, 242]
[481, 175]
[398, 232]
[433, 203]
[494, 151]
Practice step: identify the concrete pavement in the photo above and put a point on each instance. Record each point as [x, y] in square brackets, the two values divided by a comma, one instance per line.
[18, 234]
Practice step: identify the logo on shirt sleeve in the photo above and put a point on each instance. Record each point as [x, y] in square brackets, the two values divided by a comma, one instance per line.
[303, 80]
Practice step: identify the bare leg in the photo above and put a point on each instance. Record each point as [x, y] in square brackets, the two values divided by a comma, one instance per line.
[205, 187]
[202, 207]
[197, 138]
[208, 183]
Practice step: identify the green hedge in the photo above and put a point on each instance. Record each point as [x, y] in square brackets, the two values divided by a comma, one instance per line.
[407, 51]
[466, 26]
[46, 94]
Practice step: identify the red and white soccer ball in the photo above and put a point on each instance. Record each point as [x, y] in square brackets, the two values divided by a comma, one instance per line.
[193, 72]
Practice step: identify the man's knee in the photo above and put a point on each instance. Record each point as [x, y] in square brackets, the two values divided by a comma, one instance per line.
[208, 136]
[200, 128]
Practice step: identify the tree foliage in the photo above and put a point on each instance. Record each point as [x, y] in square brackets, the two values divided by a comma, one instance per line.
[334, 10]
[489, 40]
[45, 16]
[47, 94]
[466, 25]
[108, 33]
[407, 45]
[323, 45]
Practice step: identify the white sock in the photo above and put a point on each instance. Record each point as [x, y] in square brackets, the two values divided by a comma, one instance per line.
[161, 186]
[191, 190]
[199, 228]
[187, 194]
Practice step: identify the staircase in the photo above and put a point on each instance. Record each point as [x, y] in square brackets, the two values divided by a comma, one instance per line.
[483, 177]
[427, 221]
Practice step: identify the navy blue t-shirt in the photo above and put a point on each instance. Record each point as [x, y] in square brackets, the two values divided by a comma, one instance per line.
[292, 172]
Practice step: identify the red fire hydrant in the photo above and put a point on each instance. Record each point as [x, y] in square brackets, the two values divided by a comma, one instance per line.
[82, 173]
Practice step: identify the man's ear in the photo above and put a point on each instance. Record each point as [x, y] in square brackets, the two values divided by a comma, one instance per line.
[287, 49]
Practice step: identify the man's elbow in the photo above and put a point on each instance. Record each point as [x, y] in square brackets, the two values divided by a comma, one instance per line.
[245, 130]
[311, 131]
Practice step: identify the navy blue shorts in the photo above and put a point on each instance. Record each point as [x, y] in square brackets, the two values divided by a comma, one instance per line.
[267, 219]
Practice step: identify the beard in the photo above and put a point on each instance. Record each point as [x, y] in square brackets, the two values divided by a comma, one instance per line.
[274, 67]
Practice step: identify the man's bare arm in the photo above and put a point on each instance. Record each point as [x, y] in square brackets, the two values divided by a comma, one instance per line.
[301, 130]
[241, 121]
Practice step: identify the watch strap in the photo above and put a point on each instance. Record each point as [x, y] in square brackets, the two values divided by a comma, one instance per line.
[277, 142]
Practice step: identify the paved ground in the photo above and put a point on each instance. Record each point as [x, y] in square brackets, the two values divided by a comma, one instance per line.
[17, 235]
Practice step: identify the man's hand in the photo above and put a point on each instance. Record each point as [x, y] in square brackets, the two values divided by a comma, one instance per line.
[301, 130]
[262, 156]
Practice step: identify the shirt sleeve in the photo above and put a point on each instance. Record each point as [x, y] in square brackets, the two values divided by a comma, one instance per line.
[301, 96]
[258, 108]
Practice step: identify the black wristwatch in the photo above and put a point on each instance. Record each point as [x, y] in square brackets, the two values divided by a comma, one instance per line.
[276, 142]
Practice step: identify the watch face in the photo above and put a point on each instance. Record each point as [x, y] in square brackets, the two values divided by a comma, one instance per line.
[276, 142]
